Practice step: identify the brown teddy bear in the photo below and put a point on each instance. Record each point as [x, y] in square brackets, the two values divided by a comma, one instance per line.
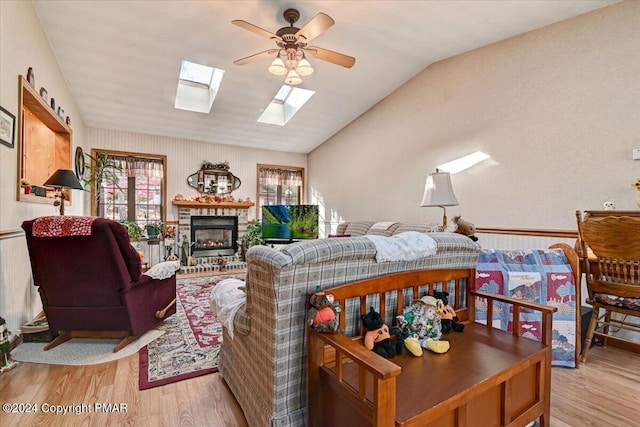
[465, 228]
[323, 314]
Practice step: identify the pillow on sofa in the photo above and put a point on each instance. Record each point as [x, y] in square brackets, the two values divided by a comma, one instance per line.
[387, 228]
[421, 228]
[358, 228]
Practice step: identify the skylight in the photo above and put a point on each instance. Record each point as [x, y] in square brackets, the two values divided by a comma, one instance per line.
[284, 105]
[197, 87]
[464, 162]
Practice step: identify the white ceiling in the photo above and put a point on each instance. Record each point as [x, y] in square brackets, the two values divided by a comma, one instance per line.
[121, 59]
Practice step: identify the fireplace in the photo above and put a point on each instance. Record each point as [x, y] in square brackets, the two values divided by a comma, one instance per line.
[214, 235]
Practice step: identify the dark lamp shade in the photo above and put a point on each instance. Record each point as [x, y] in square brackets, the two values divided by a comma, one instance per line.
[64, 178]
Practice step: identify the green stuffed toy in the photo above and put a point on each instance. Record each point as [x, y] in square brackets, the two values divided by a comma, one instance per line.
[421, 323]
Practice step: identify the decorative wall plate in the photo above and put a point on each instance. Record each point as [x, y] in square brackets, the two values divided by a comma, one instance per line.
[79, 163]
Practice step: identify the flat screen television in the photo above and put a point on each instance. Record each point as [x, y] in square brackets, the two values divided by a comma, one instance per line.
[287, 223]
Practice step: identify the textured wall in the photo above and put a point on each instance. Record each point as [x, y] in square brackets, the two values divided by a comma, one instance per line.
[184, 157]
[23, 44]
[556, 108]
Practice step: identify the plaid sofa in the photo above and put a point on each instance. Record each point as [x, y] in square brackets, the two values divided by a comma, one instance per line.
[264, 364]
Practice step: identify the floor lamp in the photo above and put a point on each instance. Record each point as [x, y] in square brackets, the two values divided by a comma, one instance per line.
[439, 192]
[62, 179]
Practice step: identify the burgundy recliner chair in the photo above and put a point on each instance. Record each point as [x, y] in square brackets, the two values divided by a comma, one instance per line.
[89, 279]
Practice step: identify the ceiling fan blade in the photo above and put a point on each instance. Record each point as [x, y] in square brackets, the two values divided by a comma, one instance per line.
[315, 27]
[331, 56]
[253, 57]
[259, 31]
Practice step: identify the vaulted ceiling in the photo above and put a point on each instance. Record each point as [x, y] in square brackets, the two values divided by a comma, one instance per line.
[121, 59]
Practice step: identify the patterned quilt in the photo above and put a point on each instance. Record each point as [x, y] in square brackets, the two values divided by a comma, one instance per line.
[541, 276]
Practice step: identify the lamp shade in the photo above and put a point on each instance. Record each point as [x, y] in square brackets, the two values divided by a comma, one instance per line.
[277, 67]
[304, 68]
[293, 78]
[438, 190]
[63, 178]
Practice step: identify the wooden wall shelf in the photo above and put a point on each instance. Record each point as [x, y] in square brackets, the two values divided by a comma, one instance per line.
[44, 141]
[197, 205]
[34, 102]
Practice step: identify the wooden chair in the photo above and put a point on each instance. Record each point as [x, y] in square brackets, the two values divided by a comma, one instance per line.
[612, 270]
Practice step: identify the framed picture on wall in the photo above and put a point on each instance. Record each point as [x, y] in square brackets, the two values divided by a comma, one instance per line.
[7, 128]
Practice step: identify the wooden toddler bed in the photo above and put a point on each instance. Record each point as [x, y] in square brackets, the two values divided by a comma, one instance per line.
[488, 377]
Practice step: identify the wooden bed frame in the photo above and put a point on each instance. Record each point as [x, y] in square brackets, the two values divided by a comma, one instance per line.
[487, 378]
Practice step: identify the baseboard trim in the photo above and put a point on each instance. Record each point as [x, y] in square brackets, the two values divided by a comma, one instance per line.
[634, 348]
[16, 341]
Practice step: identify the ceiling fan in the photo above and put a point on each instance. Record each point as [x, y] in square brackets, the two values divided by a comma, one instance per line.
[293, 46]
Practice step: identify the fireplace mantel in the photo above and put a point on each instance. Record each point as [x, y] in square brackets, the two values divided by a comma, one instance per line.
[198, 205]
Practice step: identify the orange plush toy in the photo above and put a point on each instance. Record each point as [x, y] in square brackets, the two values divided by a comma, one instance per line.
[323, 314]
[448, 316]
[377, 337]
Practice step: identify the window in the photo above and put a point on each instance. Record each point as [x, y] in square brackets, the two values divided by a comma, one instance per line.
[197, 87]
[279, 185]
[284, 105]
[131, 186]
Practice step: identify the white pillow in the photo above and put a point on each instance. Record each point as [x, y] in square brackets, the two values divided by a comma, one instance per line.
[163, 270]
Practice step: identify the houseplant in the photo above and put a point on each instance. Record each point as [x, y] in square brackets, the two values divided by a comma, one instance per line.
[134, 230]
[254, 234]
[153, 229]
[102, 169]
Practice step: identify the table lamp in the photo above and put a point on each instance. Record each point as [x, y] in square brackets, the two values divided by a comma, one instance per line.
[439, 192]
[62, 179]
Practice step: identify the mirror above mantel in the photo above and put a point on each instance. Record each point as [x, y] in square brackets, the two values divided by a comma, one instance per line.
[215, 179]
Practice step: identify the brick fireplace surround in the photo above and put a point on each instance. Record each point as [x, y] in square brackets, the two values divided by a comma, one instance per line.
[188, 209]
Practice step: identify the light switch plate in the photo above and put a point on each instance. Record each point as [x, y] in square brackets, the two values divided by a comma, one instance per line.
[635, 155]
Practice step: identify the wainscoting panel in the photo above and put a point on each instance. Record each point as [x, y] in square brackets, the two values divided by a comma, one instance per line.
[514, 241]
[19, 299]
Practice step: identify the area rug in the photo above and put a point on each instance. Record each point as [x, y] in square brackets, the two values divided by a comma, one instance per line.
[191, 341]
[81, 351]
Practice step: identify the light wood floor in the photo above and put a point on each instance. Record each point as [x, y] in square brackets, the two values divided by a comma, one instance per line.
[604, 393]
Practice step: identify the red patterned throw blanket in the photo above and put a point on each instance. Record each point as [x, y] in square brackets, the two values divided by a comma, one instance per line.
[62, 226]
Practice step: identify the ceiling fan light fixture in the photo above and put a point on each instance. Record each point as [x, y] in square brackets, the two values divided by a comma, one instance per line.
[291, 44]
[304, 68]
[277, 67]
[292, 60]
[293, 78]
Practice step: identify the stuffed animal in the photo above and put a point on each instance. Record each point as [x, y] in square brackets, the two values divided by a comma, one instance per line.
[421, 321]
[448, 317]
[406, 336]
[377, 337]
[323, 314]
[466, 228]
